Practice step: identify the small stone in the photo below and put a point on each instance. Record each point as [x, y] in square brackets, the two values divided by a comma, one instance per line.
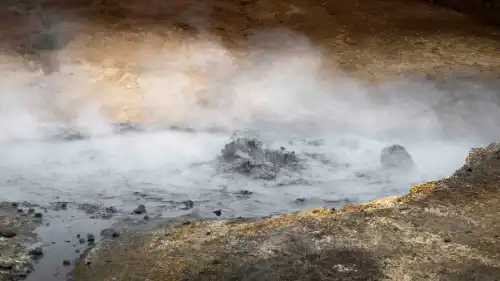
[66, 262]
[6, 233]
[188, 205]
[77, 251]
[20, 210]
[36, 252]
[111, 210]
[6, 265]
[146, 217]
[447, 240]
[300, 200]
[90, 238]
[218, 212]
[38, 215]
[61, 205]
[31, 211]
[141, 209]
[78, 236]
[81, 240]
[14, 204]
[109, 232]
[208, 233]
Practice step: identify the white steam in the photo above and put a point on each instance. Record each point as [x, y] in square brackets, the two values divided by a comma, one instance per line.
[280, 88]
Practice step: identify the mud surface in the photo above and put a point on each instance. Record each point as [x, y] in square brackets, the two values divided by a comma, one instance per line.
[441, 230]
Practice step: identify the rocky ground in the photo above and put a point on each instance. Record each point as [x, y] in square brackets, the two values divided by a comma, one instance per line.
[16, 233]
[442, 230]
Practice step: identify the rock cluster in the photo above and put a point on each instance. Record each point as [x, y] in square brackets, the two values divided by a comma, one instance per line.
[248, 156]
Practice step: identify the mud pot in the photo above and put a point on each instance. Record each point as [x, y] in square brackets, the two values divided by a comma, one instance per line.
[112, 123]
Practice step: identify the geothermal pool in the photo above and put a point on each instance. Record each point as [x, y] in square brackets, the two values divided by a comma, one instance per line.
[163, 169]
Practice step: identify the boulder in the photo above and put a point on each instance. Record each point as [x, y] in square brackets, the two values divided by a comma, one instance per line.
[396, 157]
[247, 156]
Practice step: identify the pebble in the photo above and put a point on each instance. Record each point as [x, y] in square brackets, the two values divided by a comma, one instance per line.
[218, 212]
[146, 217]
[14, 204]
[109, 232]
[188, 205]
[110, 210]
[7, 233]
[81, 240]
[20, 210]
[31, 211]
[90, 238]
[66, 262]
[141, 209]
[38, 215]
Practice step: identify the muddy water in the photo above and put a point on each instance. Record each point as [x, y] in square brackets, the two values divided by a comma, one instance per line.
[175, 172]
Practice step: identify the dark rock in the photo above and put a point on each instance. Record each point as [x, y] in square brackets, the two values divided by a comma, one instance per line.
[7, 233]
[81, 241]
[244, 194]
[77, 251]
[146, 217]
[6, 265]
[300, 200]
[141, 209]
[127, 127]
[110, 210]
[109, 232]
[188, 205]
[60, 206]
[218, 212]
[447, 240]
[31, 211]
[66, 262]
[90, 238]
[14, 204]
[38, 215]
[396, 157]
[78, 236]
[36, 252]
[20, 210]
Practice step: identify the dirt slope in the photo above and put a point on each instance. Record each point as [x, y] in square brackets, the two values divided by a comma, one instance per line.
[111, 43]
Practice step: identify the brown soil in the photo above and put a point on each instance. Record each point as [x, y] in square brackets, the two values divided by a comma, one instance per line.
[110, 40]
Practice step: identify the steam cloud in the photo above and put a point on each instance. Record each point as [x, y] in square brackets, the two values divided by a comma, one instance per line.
[280, 88]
